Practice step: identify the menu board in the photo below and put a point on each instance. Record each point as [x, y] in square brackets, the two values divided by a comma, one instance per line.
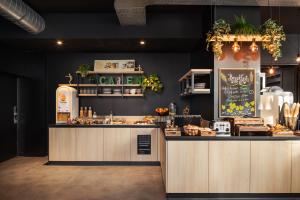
[237, 92]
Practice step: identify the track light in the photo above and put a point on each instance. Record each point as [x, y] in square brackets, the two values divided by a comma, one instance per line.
[253, 46]
[235, 47]
[59, 42]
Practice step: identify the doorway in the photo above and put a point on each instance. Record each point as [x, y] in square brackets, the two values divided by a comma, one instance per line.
[8, 133]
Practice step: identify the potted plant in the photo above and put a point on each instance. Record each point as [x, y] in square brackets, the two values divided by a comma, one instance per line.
[242, 27]
[272, 36]
[220, 28]
[153, 83]
[83, 70]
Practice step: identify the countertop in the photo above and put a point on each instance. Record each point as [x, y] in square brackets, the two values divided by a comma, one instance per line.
[104, 126]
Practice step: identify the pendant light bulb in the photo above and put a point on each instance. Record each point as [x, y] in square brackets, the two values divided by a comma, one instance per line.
[253, 46]
[235, 47]
[271, 70]
[298, 58]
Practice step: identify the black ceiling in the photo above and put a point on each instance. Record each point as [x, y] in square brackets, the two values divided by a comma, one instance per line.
[289, 17]
[71, 5]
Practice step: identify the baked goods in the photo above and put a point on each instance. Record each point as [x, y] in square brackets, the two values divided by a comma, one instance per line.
[193, 130]
[280, 130]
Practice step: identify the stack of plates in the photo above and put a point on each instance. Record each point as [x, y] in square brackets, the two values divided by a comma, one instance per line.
[106, 91]
[199, 85]
[117, 91]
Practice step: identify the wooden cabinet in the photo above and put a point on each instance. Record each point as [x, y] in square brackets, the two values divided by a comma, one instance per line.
[162, 156]
[62, 144]
[117, 144]
[75, 144]
[187, 167]
[135, 132]
[271, 166]
[295, 167]
[89, 144]
[229, 166]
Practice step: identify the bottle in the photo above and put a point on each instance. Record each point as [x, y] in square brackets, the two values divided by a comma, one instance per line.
[95, 115]
[90, 112]
[85, 112]
[81, 112]
[111, 117]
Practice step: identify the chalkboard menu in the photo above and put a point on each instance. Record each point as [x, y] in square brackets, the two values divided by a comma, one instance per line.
[236, 92]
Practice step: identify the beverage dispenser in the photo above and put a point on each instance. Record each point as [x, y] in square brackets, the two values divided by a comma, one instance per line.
[66, 104]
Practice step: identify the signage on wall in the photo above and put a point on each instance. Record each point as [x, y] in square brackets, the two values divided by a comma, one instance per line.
[237, 92]
[114, 65]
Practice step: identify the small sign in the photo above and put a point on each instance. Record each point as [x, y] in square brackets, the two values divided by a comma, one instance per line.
[114, 65]
[237, 92]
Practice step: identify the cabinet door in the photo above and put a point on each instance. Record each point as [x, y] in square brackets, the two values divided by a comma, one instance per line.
[271, 166]
[116, 144]
[89, 144]
[162, 155]
[62, 144]
[296, 166]
[229, 166]
[134, 147]
[187, 167]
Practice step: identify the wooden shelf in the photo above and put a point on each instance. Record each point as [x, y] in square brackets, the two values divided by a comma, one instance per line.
[196, 72]
[242, 38]
[120, 95]
[113, 72]
[133, 95]
[101, 85]
[87, 95]
[198, 91]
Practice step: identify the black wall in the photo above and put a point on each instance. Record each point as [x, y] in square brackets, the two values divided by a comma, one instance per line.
[168, 66]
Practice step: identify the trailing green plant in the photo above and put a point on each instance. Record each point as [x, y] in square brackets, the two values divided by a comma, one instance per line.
[153, 83]
[220, 28]
[242, 27]
[83, 69]
[272, 36]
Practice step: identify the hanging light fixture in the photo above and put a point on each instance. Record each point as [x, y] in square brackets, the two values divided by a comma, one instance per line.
[253, 47]
[235, 47]
[271, 70]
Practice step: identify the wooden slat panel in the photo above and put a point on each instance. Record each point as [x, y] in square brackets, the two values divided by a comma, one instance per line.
[62, 144]
[187, 167]
[229, 166]
[296, 166]
[89, 144]
[117, 144]
[270, 167]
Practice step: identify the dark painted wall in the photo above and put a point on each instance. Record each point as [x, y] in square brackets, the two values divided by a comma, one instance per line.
[169, 66]
[29, 67]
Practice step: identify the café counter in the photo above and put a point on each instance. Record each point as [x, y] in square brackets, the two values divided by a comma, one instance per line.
[230, 165]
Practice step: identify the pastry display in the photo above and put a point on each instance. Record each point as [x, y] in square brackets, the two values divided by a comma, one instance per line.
[280, 130]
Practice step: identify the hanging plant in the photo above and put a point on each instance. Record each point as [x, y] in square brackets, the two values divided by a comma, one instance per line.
[273, 33]
[153, 83]
[83, 70]
[220, 28]
[242, 27]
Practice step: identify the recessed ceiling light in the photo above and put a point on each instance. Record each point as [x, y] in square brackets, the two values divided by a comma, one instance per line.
[59, 42]
[142, 42]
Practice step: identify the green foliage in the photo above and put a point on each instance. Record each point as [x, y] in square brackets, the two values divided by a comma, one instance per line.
[220, 28]
[153, 83]
[83, 69]
[273, 33]
[242, 27]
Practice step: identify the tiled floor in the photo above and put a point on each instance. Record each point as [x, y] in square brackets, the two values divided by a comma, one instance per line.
[29, 179]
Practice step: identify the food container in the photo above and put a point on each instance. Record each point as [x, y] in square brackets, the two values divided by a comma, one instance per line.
[126, 91]
[132, 91]
[191, 130]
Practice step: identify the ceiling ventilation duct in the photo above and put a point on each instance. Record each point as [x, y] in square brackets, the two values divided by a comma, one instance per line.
[22, 15]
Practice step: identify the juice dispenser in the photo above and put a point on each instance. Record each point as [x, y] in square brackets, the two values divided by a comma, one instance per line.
[66, 104]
